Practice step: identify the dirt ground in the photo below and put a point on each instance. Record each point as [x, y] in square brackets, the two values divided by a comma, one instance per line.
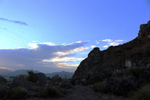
[84, 93]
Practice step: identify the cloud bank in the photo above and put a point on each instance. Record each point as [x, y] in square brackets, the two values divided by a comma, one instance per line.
[45, 57]
[14, 21]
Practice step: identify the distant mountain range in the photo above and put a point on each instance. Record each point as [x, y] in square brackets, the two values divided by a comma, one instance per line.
[62, 74]
[6, 72]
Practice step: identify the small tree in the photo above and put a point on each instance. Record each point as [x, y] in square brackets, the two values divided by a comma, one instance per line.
[32, 77]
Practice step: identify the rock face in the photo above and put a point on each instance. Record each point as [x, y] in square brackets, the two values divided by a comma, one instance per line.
[100, 65]
[144, 30]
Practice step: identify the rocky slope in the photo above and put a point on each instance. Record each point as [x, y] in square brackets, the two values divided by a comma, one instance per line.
[100, 65]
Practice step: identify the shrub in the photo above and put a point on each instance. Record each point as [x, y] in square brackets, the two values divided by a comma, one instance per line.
[101, 87]
[15, 93]
[32, 77]
[135, 71]
[142, 94]
[50, 92]
[3, 88]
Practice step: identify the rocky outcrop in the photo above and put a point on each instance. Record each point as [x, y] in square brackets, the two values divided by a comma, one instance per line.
[101, 65]
[144, 30]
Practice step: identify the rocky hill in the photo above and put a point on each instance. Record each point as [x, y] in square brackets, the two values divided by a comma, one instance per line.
[99, 65]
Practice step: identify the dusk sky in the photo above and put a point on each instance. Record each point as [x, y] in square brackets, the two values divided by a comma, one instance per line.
[56, 35]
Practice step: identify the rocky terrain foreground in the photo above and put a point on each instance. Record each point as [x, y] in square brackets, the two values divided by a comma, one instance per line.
[84, 93]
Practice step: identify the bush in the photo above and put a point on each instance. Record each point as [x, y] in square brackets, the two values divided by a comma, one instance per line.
[15, 93]
[32, 77]
[2, 86]
[50, 92]
[2, 90]
[135, 71]
[101, 87]
[142, 94]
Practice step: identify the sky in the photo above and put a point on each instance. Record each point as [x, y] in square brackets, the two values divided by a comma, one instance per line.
[56, 35]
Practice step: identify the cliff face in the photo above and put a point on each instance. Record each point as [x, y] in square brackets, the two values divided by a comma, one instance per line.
[102, 64]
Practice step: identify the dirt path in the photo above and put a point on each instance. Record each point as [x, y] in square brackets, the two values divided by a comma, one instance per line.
[84, 93]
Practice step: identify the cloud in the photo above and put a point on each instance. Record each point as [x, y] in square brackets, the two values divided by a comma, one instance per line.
[106, 46]
[63, 59]
[93, 46]
[76, 50]
[114, 43]
[34, 44]
[42, 57]
[111, 42]
[66, 65]
[107, 40]
[4, 68]
[14, 21]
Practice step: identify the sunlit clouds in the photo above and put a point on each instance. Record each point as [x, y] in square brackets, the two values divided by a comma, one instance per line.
[66, 65]
[63, 59]
[72, 51]
[111, 42]
[64, 62]
[50, 57]
[34, 44]
[46, 57]
[4, 68]
[93, 46]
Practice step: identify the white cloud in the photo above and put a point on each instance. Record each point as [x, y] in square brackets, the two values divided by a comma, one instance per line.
[111, 42]
[106, 46]
[76, 50]
[42, 56]
[34, 44]
[114, 43]
[93, 46]
[107, 40]
[63, 59]
[119, 40]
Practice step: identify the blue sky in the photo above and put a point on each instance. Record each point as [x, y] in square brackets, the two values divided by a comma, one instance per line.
[47, 26]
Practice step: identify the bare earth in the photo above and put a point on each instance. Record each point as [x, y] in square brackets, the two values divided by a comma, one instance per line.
[84, 93]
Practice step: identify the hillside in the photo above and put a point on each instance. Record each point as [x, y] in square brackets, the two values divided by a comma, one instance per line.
[99, 65]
